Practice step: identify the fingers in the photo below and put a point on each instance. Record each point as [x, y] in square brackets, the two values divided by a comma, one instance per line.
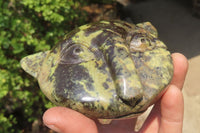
[171, 111]
[167, 114]
[180, 69]
[172, 105]
[152, 123]
[171, 102]
[64, 120]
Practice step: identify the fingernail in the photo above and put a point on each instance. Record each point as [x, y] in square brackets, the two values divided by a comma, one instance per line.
[54, 128]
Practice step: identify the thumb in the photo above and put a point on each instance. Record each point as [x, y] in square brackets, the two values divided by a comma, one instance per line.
[64, 120]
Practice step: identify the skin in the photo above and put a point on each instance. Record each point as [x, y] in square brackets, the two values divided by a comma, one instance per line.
[165, 117]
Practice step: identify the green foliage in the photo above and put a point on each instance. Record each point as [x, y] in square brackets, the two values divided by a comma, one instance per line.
[26, 27]
[102, 1]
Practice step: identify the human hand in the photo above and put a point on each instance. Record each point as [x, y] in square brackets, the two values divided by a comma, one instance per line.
[165, 117]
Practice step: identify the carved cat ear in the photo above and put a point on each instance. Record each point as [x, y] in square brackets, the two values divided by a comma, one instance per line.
[32, 63]
[148, 27]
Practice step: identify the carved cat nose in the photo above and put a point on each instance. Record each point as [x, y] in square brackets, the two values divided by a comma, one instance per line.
[128, 86]
[129, 91]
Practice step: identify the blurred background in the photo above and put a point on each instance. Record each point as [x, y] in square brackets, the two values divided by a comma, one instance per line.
[30, 26]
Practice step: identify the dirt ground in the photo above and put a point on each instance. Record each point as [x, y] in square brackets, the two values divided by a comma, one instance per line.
[180, 31]
[191, 92]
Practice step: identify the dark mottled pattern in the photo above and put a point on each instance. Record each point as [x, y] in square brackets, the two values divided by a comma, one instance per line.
[67, 42]
[149, 76]
[100, 39]
[66, 87]
[106, 27]
[110, 32]
[75, 87]
[32, 63]
[105, 85]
